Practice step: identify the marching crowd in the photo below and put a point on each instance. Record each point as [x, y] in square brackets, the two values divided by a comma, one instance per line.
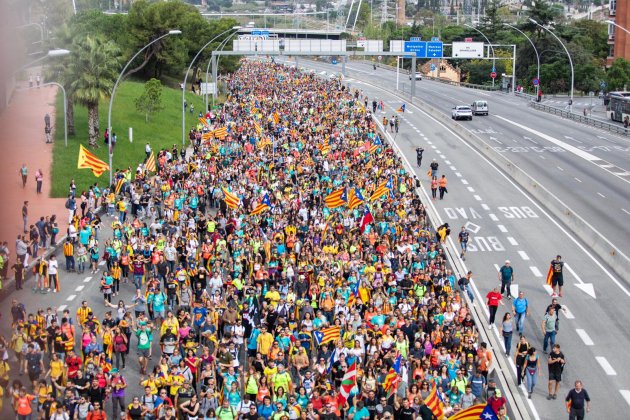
[270, 295]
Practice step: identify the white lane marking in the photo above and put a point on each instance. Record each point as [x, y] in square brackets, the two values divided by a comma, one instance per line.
[542, 157]
[585, 287]
[512, 241]
[608, 369]
[448, 162]
[87, 279]
[496, 266]
[452, 168]
[61, 308]
[584, 336]
[548, 289]
[530, 139]
[433, 146]
[535, 271]
[625, 211]
[102, 262]
[502, 228]
[438, 152]
[601, 195]
[458, 174]
[79, 288]
[567, 312]
[71, 297]
[559, 168]
[625, 394]
[486, 207]
[477, 197]
[571, 138]
[464, 182]
[471, 189]
[443, 157]
[523, 255]
[577, 179]
[493, 217]
[428, 142]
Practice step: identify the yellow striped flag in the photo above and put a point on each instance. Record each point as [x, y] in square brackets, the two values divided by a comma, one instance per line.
[262, 207]
[327, 335]
[355, 198]
[220, 133]
[473, 412]
[550, 275]
[88, 160]
[380, 191]
[119, 185]
[276, 117]
[336, 198]
[231, 199]
[435, 405]
[150, 163]
[258, 128]
[203, 121]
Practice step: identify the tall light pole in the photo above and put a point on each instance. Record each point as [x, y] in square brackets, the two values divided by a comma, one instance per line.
[535, 51]
[234, 28]
[612, 22]
[494, 57]
[111, 98]
[568, 55]
[221, 46]
[49, 54]
[65, 107]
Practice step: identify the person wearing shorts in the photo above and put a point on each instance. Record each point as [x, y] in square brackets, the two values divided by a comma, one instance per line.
[556, 366]
[557, 280]
[145, 337]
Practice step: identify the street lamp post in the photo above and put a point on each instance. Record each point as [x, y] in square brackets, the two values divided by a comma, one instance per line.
[65, 107]
[494, 59]
[221, 46]
[234, 28]
[51, 54]
[111, 98]
[568, 55]
[612, 22]
[535, 51]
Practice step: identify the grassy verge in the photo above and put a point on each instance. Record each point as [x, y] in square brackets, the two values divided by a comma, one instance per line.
[163, 130]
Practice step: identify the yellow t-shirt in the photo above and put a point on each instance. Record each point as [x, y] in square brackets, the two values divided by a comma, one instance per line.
[264, 343]
[151, 384]
[56, 368]
[273, 296]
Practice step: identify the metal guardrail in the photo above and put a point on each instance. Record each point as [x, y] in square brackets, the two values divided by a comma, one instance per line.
[613, 128]
[463, 84]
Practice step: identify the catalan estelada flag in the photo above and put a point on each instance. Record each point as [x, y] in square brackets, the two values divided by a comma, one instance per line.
[258, 128]
[477, 411]
[150, 163]
[402, 108]
[262, 207]
[355, 198]
[220, 133]
[231, 199]
[264, 142]
[376, 145]
[325, 147]
[326, 335]
[550, 275]
[88, 160]
[435, 405]
[380, 191]
[336, 198]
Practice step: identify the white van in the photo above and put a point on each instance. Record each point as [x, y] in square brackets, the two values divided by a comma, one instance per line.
[479, 107]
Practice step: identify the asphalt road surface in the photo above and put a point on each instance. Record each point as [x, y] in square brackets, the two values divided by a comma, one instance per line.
[506, 223]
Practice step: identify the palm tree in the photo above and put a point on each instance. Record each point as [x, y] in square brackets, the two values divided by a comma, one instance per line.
[94, 68]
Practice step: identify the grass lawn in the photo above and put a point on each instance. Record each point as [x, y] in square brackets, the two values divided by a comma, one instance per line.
[163, 130]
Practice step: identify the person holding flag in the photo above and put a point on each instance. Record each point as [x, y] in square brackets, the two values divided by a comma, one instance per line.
[554, 276]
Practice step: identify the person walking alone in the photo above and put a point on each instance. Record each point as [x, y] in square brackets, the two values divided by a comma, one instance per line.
[39, 178]
[494, 299]
[557, 280]
[443, 189]
[434, 187]
[463, 238]
[531, 371]
[520, 309]
[24, 174]
[25, 216]
[578, 402]
[506, 275]
[419, 152]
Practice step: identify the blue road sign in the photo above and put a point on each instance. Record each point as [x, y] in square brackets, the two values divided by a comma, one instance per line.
[255, 32]
[415, 39]
[334, 61]
[435, 49]
[260, 32]
[420, 48]
[435, 39]
[494, 69]
[433, 67]
[535, 82]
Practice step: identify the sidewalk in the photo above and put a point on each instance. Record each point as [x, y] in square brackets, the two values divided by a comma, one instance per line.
[23, 142]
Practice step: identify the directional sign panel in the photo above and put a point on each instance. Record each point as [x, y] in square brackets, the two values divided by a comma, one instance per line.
[435, 50]
[420, 48]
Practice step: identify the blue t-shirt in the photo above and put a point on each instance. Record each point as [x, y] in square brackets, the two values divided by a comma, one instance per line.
[520, 305]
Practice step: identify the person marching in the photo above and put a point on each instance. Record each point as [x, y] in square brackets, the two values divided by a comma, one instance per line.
[557, 281]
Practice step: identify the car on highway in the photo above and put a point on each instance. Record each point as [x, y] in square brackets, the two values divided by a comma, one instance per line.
[462, 112]
[418, 76]
[479, 107]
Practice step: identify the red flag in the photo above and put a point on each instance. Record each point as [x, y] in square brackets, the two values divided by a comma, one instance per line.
[366, 219]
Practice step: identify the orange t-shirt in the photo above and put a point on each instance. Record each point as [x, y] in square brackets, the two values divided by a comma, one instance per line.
[24, 405]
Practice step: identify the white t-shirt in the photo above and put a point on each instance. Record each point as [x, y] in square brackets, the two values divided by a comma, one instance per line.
[52, 269]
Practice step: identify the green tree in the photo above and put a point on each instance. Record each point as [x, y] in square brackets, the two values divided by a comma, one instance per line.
[618, 75]
[94, 68]
[491, 22]
[542, 12]
[588, 76]
[150, 102]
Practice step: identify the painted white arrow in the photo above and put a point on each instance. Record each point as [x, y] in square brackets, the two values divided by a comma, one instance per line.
[495, 139]
[530, 139]
[585, 287]
[571, 138]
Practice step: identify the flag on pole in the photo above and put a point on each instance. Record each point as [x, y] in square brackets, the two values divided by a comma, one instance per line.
[88, 160]
[326, 335]
[390, 384]
[550, 275]
[150, 163]
[336, 198]
[376, 145]
[262, 207]
[366, 219]
[402, 108]
[476, 412]
[435, 405]
[380, 191]
[355, 198]
[348, 382]
[231, 199]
